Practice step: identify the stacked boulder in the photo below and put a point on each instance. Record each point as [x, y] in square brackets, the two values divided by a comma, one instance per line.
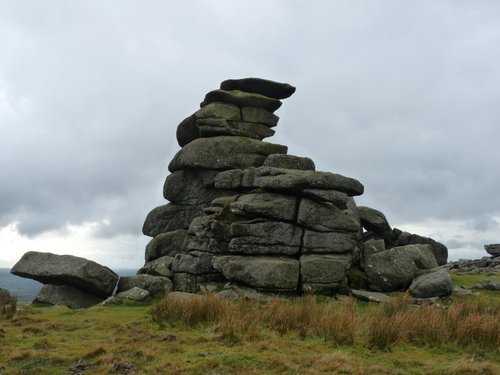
[247, 211]
[68, 280]
[242, 210]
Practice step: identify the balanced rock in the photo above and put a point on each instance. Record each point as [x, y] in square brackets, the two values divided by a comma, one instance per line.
[81, 273]
[261, 86]
[493, 249]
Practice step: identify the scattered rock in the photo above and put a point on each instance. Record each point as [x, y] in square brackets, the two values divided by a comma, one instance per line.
[368, 296]
[433, 284]
[487, 284]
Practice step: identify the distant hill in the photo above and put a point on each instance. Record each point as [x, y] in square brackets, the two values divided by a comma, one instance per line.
[26, 289]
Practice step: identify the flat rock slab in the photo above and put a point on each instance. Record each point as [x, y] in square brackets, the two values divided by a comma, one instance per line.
[287, 180]
[289, 162]
[365, 295]
[224, 152]
[241, 99]
[80, 273]
[65, 295]
[261, 86]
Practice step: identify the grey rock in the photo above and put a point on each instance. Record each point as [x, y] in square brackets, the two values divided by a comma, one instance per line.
[433, 284]
[323, 269]
[327, 242]
[80, 273]
[189, 187]
[493, 249]
[166, 244]
[394, 269]
[219, 110]
[224, 152]
[259, 116]
[155, 285]
[373, 246]
[325, 217]
[241, 99]
[266, 205]
[219, 127]
[286, 180]
[170, 217]
[194, 263]
[267, 238]
[65, 295]
[261, 86]
[368, 296]
[134, 294]
[487, 284]
[187, 131]
[337, 198]
[185, 282]
[400, 238]
[262, 273]
[374, 220]
[289, 162]
[158, 267]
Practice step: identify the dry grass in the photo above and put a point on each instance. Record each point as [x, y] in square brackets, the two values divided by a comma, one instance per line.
[470, 322]
[8, 306]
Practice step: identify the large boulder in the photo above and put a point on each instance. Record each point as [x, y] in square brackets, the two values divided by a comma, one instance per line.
[325, 217]
[286, 180]
[272, 274]
[170, 217]
[261, 86]
[433, 284]
[241, 99]
[323, 274]
[289, 162]
[374, 220]
[394, 269]
[155, 285]
[67, 296]
[401, 238]
[266, 205]
[493, 249]
[166, 244]
[80, 273]
[224, 152]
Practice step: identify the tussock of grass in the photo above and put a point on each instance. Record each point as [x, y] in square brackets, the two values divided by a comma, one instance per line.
[467, 322]
[8, 306]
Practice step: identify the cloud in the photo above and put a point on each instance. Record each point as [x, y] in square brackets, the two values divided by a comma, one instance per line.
[400, 96]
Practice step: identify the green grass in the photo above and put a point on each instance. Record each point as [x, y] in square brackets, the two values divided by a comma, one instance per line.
[107, 339]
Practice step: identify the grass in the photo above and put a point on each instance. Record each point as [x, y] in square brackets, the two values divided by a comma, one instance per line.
[209, 335]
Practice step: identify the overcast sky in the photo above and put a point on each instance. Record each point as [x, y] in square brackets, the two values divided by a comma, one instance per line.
[404, 96]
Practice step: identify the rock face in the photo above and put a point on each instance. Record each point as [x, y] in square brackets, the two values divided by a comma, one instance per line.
[244, 211]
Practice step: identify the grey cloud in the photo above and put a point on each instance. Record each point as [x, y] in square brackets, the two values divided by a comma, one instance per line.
[400, 96]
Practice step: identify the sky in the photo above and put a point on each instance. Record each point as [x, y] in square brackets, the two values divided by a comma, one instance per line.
[403, 96]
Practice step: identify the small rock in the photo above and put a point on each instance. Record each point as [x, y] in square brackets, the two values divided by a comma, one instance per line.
[168, 337]
[365, 295]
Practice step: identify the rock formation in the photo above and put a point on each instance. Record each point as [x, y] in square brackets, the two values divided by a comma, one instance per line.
[242, 210]
[244, 217]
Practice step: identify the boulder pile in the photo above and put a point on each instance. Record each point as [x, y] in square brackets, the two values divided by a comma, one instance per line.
[243, 217]
[243, 211]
